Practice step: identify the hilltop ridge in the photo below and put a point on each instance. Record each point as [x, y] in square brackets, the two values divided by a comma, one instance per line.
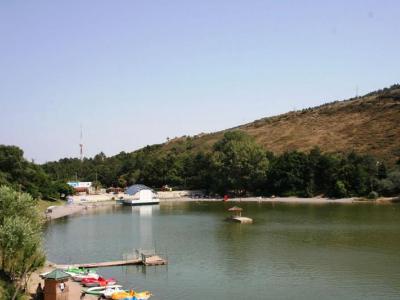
[369, 124]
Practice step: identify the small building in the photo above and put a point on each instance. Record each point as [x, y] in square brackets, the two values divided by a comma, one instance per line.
[166, 188]
[81, 187]
[114, 190]
[55, 285]
[139, 194]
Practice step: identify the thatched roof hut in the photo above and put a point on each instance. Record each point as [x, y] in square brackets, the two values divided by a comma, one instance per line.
[237, 210]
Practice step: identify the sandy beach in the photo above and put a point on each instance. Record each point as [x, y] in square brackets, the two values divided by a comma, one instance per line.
[291, 200]
[314, 200]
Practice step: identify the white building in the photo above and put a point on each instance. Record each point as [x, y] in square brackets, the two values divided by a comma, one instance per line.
[139, 194]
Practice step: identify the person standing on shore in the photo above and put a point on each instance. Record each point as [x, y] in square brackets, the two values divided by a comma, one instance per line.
[39, 292]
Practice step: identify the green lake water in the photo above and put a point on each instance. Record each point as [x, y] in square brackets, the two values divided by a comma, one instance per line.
[292, 251]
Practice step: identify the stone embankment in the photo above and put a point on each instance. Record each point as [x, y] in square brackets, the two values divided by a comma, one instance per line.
[57, 212]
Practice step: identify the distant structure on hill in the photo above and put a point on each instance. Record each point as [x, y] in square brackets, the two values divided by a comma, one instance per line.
[81, 145]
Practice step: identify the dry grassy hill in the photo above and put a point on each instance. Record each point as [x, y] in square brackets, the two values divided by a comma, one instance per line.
[368, 124]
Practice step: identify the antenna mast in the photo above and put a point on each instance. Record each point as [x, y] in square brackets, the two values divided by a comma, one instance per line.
[81, 144]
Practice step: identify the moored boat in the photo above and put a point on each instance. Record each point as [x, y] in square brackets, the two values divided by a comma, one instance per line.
[105, 291]
[143, 295]
[131, 295]
[123, 295]
[80, 277]
[73, 271]
[91, 282]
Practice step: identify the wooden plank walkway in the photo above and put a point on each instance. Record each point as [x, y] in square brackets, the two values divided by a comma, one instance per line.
[149, 261]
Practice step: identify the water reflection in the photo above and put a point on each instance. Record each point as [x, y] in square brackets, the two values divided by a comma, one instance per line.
[145, 213]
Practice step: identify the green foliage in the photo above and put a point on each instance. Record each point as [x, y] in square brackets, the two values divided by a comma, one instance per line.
[391, 184]
[8, 290]
[22, 175]
[308, 174]
[20, 236]
[373, 195]
[238, 164]
[14, 204]
[290, 175]
[20, 247]
[339, 190]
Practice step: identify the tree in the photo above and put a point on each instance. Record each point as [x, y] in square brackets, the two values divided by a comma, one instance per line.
[292, 174]
[238, 164]
[20, 236]
[390, 185]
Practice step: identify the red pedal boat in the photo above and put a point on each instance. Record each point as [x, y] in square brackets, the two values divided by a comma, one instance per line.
[90, 282]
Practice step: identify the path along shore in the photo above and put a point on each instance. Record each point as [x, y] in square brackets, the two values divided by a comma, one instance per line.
[61, 211]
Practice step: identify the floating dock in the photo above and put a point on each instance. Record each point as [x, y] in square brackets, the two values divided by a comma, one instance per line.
[153, 260]
[243, 220]
[237, 217]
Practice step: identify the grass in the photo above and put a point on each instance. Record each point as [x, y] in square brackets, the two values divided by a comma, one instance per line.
[367, 125]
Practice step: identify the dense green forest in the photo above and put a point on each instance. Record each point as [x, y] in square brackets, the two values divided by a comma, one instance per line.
[22, 175]
[237, 165]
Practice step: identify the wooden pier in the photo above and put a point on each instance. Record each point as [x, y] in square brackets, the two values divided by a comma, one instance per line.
[153, 260]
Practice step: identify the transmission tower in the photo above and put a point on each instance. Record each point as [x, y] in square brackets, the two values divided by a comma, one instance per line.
[81, 144]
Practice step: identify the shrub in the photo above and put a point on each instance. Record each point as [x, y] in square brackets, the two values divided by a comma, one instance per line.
[373, 195]
[340, 189]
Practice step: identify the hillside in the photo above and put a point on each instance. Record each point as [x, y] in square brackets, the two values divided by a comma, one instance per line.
[367, 125]
[240, 164]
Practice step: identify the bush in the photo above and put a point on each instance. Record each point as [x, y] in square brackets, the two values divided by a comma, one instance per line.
[373, 195]
[340, 189]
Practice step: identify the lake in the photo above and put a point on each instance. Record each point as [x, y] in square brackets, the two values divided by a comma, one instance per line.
[292, 251]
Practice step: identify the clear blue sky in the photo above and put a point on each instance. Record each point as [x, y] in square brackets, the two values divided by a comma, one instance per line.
[136, 72]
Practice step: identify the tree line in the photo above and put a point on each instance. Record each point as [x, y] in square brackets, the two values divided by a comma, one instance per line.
[22, 175]
[236, 165]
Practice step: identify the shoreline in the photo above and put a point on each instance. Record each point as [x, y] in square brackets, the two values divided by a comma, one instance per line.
[314, 200]
[76, 208]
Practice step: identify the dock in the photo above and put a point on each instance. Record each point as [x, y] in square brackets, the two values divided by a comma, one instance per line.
[243, 220]
[237, 216]
[153, 260]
